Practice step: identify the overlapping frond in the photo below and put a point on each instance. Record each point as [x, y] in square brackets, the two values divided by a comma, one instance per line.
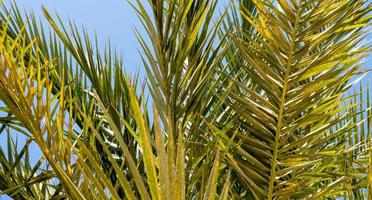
[181, 63]
[295, 65]
[262, 103]
[19, 177]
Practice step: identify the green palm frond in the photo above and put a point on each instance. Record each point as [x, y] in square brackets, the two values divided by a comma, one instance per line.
[19, 178]
[180, 64]
[265, 101]
[295, 67]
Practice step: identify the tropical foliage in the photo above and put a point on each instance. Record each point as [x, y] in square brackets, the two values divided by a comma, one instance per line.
[264, 101]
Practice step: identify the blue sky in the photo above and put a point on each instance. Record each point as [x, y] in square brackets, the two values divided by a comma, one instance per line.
[111, 19]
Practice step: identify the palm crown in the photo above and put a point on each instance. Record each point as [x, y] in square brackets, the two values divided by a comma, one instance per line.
[263, 102]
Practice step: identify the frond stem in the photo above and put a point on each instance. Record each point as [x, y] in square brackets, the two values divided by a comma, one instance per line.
[281, 109]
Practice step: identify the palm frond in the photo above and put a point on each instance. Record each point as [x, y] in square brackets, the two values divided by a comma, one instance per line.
[295, 66]
[261, 103]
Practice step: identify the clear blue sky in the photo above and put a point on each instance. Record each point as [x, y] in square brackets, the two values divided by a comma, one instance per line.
[111, 19]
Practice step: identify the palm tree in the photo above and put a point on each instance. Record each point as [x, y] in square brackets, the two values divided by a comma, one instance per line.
[266, 101]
